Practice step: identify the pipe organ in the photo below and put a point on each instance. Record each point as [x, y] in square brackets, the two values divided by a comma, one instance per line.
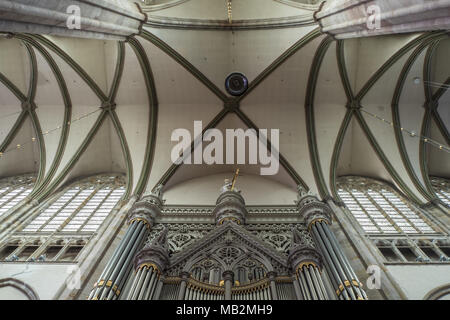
[230, 262]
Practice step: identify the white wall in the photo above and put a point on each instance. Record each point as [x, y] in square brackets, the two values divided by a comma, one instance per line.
[256, 190]
[417, 280]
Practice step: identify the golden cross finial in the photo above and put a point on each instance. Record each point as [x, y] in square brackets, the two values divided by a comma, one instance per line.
[235, 178]
[229, 11]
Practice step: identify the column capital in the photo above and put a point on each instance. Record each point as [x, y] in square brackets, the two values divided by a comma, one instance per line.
[146, 210]
[272, 275]
[228, 275]
[185, 275]
[312, 209]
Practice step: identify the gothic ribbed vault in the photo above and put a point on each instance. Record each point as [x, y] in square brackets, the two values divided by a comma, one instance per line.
[75, 107]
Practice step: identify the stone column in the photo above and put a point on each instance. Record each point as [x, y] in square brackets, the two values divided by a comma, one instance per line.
[273, 287]
[228, 277]
[306, 262]
[317, 216]
[150, 262]
[98, 19]
[141, 219]
[362, 18]
[184, 279]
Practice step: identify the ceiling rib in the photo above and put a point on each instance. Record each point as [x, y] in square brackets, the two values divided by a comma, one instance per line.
[393, 59]
[174, 167]
[14, 130]
[284, 163]
[33, 116]
[428, 116]
[67, 111]
[355, 104]
[227, 101]
[12, 87]
[184, 63]
[280, 60]
[115, 119]
[382, 156]
[56, 182]
[309, 116]
[396, 118]
[369, 84]
[337, 151]
[153, 121]
[75, 66]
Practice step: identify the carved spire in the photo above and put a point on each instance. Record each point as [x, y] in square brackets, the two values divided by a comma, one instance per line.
[300, 240]
[157, 192]
[156, 253]
[161, 240]
[302, 250]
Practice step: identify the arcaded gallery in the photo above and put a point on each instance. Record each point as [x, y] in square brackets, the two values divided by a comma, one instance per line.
[225, 150]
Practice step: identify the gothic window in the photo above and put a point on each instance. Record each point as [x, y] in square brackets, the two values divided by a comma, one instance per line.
[442, 189]
[83, 206]
[64, 225]
[379, 209]
[13, 190]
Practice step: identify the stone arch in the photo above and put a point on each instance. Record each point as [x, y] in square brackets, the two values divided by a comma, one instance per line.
[24, 288]
[438, 293]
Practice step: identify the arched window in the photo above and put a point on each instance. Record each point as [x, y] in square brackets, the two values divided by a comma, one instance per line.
[379, 209]
[83, 206]
[442, 189]
[65, 224]
[13, 190]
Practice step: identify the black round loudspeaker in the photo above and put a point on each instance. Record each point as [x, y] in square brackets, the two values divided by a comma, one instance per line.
[236, 84]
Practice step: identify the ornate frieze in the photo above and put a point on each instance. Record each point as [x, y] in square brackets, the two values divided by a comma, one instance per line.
[180, 235]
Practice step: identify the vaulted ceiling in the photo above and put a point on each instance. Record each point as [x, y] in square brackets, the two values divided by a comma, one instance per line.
[71, 107]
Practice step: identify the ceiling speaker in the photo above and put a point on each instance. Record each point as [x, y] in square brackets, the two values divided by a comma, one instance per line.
[236, 84]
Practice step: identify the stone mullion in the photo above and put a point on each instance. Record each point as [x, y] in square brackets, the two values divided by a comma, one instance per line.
[397, 251]
[40, 249]
[421, 215]
[436, 249]
[59, 210]
[98, 206]
[18, 194]
[443, 195]
[81, 206]
[63, 250]
[388, 218]
[18, 250]
[365, 211]
[418, 251]
[8, 190]
[399, 211]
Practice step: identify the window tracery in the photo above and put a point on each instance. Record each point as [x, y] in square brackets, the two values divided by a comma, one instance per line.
[15, 189]
[62, 228]
[379, 209]
[442, 189]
